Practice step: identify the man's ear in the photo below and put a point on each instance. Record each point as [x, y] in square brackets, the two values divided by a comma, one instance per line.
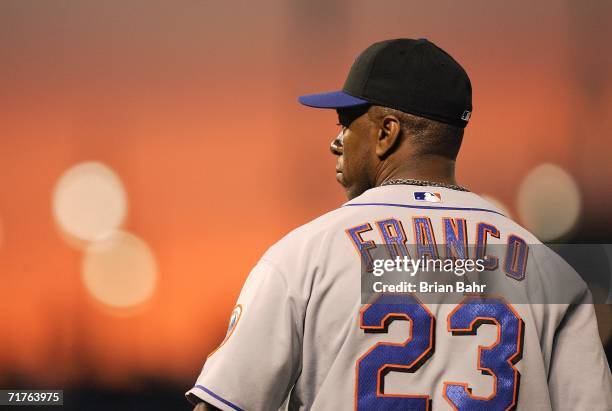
[388, 136]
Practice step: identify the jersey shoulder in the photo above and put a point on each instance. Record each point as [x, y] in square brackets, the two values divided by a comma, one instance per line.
[311, 237]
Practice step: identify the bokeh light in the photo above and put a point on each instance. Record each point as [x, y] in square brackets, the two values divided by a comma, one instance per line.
[497, 203]
[89, 201]
[119, 270]
[549, 202]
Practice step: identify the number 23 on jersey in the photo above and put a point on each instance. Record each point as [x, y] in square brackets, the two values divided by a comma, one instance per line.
[496, 360]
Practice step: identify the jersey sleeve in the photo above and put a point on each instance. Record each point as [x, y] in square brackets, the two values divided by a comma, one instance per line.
[257, 364]
[579, 376]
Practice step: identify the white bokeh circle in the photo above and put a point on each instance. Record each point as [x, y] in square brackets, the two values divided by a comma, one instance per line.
[89, 201]
[549, 202]
[119, 270]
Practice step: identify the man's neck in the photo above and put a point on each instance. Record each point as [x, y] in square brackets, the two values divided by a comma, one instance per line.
[428, 168]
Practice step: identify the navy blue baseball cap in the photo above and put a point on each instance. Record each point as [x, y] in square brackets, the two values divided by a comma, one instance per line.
[412, 76]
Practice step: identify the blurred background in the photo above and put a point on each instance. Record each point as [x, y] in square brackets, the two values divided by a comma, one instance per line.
[152, 150]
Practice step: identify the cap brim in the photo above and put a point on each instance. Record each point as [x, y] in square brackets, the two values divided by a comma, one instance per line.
[334, 99]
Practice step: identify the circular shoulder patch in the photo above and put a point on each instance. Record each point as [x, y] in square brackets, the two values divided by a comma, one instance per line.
[234, 318]
[236, 312]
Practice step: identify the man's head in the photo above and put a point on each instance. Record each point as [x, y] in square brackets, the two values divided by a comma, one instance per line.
[377, 143]
[403, 108]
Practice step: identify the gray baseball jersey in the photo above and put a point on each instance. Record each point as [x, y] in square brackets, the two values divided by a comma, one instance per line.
[300, 335]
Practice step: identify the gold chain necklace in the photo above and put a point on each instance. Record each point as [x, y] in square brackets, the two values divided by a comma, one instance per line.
[409, 181]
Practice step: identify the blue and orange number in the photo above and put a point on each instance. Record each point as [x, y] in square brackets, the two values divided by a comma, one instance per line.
[497, 360]
[384, 357]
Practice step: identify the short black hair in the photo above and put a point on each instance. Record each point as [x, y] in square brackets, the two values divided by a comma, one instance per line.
[431, 137]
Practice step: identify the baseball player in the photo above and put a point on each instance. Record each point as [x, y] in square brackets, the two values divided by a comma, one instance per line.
[300, 336]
